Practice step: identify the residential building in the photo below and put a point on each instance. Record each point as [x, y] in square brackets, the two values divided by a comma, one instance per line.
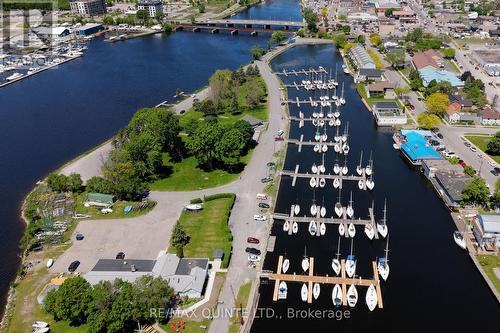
[382, 89]
[429, 74]
[486, 230]
[388, 114]
[186, 276]
[488, 116]
[88, 7]
[361, 58]
[453, 112]
[465, 104]
[429, 58]
[369, 74]
[152, 7]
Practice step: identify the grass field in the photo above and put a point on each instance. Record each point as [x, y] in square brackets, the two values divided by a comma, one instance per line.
[489, 263]
[191, 326]
[241, 301]
[362, 91]
[481, 141]
[376, 59]
[208, 230]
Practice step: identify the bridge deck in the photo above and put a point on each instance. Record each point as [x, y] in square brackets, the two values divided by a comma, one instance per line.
[256, 22]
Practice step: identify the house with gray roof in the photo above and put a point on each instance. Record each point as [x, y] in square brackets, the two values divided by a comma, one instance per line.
[187, 276]
[361, 58]
[486, 230]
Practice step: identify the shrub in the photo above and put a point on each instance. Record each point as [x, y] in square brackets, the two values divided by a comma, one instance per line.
[196, 201]
[219, 196]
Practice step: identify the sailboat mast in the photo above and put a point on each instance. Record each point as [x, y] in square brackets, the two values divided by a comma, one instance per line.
[338, 248]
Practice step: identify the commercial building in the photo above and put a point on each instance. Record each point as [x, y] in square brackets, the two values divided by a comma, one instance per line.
[489, 60]
[388, 114]
[417, 149]
[486, 230]
[90, 29]
[361, 58]
[152, 7]
[51, 32]
[99, 200]
[429, 74]
[361, 17]
[88, 7]
[405, 16]
[187, 276]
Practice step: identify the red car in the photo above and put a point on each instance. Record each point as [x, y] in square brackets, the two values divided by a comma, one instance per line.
[253, 240]
[462, 163]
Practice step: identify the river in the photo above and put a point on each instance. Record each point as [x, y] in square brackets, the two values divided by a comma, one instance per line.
[56, 115]
[433, 284]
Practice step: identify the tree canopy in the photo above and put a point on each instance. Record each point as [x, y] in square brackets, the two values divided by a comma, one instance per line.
[493, 146]
[375, 39]
[476, 192]
[396, 58]
[311, 19]
[428, 121]
[63, 183]
[437, 103]
[220, 86]
[449, 53]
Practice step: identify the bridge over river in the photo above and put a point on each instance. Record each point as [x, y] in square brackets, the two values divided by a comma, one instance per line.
[240, 25]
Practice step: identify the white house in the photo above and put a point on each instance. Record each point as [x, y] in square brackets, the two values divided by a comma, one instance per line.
[488, 116]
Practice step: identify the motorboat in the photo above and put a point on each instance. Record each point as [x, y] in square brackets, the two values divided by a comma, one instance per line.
[341, 229]
[382, 229]
[39, 324]
[317, 136]
[312, 228]
[352, 296]
[370, 184]
[336, 182]
[296, 209]
[50, 262]
[339, 209]
[314, 209]
[303, 293]
[322, 211]
[322, 182]
[295, 227]
[336, 168]
[459, 239]
[322, 229]
[383, 268]
[337, 295]
[14, 76]
[337, 148]
[351, 230]
[313, 182]
[369, 231]
[286, 226]
[282, 290]
[371, 297]
[350, 265]
[193, 207]
[316, 290]
[285, 266]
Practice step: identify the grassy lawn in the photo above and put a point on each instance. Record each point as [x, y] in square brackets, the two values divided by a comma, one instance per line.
[481, 141]
[118, 206]
[241, 300]
[362, 91]
[489, 263]
[191, 326]
[376, 59]
[208, 230]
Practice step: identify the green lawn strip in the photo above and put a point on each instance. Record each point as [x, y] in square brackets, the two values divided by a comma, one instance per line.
[489, 262]
[118, 206]
[208, 230]
[481, 141]
[360, 87]
[376, 59]
[241, 302]
[191, 326]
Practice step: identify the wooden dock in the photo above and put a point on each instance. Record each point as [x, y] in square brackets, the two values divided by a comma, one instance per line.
[310, 279]
[301, 72]
[301, 143]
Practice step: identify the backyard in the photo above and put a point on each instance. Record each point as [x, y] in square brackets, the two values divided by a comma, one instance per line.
[490, 263]
[481, 141]
[360, 87]
[208, 229]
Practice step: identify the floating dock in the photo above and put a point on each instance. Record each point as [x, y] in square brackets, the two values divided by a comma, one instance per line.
[301, 71]
[310, 278]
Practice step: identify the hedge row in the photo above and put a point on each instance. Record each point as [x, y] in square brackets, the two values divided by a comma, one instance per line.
[219, 196]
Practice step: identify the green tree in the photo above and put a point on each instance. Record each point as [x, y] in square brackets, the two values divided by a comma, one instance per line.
[71, 301]
[346, 29]
[375, 39]
[311, 19]
[206, 107]
[142, 15]
[126, 183]
[437, 103]
[444, 87]
[449, 53]
[103, 295]
[476, 192]
[469, 171]
[257, 52]
[396, 58]
[168, 27]
[220, 86]
[340, 40]
[179, 239]
[245, 129]
[255, 93]
[493, 146]
[428, 121]
[99, 185]
[150, 293]
[401, 91]
[342, 16]
[234, 106]
[278, 37]
[230, 147]
[361, 39]
[388, 12]
[57, 183]
[496, 194]
[74, 183]
[108, 20]
[203, 142]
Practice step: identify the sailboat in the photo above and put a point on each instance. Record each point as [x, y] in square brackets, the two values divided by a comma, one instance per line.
[337, 122]
[322, 229]
[359, 168]
[346, 133]
[337, 147]
[351, 263]
[322, 211]
[296, 209]
[314, 209]
[345, 149]
[322, 182]
[314, 168]
[316, 148]
[336, 182]
[337, 136]
[285, 266]
[383, 263]
[313, 182]
[352, 296]
[317, 136]
[459, 239]
[371, 297]
[351, 230]
[324, 148]
[341, 99]
[336, 260]
[286, 226]
[303, 293]
[382, 225]
[283, 290]
[350, 209]
[336, 168]
[370, 184]
[345, 169]
[295, 227]
[341, 229]
[305, 262]
[369, 231]
[345, 69]
[361, 184]
[369, 168]
[312, 228]
[337, 296]
[316, 290]
[338, 206]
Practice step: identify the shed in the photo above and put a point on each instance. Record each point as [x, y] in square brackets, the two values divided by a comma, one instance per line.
[254, 122]
[100, 199]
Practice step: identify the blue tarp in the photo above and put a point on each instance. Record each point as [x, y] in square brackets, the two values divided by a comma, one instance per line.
[418, 149]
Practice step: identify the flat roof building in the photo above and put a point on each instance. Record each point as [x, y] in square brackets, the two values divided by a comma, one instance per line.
[417, 149]
[388, 114]
[152, 7]
[429, 74]
[88, 7]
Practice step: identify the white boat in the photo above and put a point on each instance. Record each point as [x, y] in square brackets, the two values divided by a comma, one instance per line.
[350, 211]
[285, 266]
[371, 297]
[337, 122]
[322, 182]
[295, 227]
[41, 330]
[337, 148]
[324, 137]
[359, 170]
[341, 229]
[459, 239]
[370, 184]
[296, 209]
[303, 293]
[345, 170]
[317, 136]
[322, 229]
[337, 296]
[351, 230]
[339, 209]
[345, 149]
[382, 229]
[322, 168]
[361, 184]
[305, 264]
[336, 115]
[336, 182]
[344, 137]
[383, 268]
[50, 262]
[283, 290]
[331, 122]
[352, 296]
[14, 76]
[312, 182]
[314, 168]
[369, 231]
[336, 168]
[316, 290]
[286, 226]
[322, 211]
[314, 209]
[312, 228]
[368, 169]
[193, 207]
[395, 146]
[350, 264]
[336, 260]
[39, 324]
[324, 148]
[316, 148]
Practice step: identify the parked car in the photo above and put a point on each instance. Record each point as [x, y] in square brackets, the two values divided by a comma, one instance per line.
[281, 132]
[253, 258]
[266, 179]
[473, 149]
[120, 255]
[182, 111]
[462, 164]
[434, 142]
[466, 144]
[73, 266]
[439, 135]
[261, 196]
[259, 217]
[494, 172]
[279, 138]
[253, 240]
[271, 164]
[450, 154]
[79, 237]
[264, 205]
[253, 250]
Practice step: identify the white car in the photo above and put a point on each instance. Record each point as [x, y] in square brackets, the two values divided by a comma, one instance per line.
[259, 217]
[253, 258]
[472, 148]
